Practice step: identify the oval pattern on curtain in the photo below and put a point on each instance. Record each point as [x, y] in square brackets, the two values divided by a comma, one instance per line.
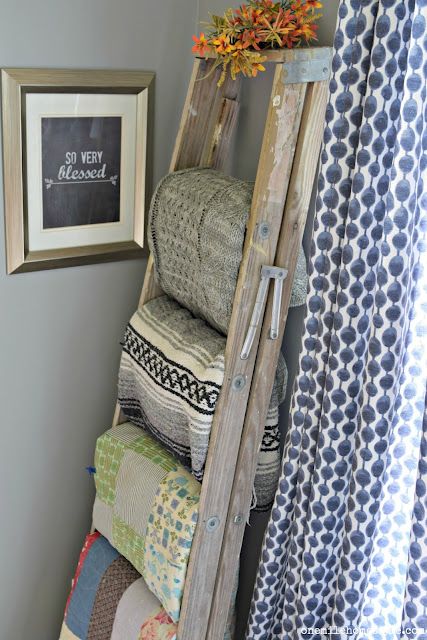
[345, 552]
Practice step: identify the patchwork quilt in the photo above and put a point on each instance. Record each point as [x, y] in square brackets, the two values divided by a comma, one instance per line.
[196, 232]
[171, 373]
[109, 599]
[146, 506]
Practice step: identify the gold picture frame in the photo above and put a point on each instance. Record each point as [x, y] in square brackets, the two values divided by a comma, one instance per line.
[22, 87]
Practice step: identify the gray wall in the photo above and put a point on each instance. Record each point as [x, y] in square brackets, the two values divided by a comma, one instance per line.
[60, 330]
[255, 97]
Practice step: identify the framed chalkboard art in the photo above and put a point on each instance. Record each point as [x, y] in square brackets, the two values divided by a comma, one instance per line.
[75, 156]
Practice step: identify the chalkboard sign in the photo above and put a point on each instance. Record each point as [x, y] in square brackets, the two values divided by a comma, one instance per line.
[75, 165]
[81, 161]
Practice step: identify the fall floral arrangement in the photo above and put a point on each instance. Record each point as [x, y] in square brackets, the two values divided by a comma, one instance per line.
[238, 38]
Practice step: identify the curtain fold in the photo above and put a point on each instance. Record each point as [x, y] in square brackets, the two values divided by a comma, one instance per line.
[345, 551]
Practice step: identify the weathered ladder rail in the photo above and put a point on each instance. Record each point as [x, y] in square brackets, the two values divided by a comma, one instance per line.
[284, 179]
[297, 204]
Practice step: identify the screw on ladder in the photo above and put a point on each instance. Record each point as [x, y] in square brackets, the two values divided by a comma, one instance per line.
[278, 274]
[212, 524]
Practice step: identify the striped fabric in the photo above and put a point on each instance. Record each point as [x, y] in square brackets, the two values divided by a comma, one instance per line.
[171, 373]
[170, 377]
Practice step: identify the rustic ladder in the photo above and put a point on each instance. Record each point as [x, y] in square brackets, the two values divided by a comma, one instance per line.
[286, 172]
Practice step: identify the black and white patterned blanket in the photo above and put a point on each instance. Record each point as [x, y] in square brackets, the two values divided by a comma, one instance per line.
[171, 373]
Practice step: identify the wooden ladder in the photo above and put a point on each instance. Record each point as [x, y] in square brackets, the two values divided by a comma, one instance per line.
[286, 172]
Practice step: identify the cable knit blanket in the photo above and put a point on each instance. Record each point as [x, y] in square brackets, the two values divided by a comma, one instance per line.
[196, 231]
[171, 373]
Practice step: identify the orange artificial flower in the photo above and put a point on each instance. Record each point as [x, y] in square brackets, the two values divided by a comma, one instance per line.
[257, 66]
[239, 46]
[314, 4]
[250, 39]
[307, 31]
[256, 16]
[222, 45]
[239, 38]
[202, 46]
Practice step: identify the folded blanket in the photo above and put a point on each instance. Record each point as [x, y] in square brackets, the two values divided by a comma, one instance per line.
[146, 506]
[196, 231]
[109, 600]
[171, 373]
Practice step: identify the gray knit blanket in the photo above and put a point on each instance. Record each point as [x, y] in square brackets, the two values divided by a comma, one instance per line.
[196, 230]
[171, 373]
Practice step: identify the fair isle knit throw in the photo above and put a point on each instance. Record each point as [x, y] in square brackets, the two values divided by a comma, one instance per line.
[196, 231]
[171, 373]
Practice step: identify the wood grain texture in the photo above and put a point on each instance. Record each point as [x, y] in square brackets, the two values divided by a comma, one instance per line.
[199, 139]
[119, 416]
[223, 133]
[73, 256]
[84, 78]
[201, 115]
[275, 164]
[202, 136]
[294, 219]
[303, 54]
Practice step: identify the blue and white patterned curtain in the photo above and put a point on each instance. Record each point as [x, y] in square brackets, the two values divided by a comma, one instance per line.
[345, 553]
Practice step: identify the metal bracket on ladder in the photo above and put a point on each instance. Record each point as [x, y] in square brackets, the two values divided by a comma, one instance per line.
[278, 274]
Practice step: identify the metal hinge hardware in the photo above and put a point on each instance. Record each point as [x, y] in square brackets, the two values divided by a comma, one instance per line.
[278, 274]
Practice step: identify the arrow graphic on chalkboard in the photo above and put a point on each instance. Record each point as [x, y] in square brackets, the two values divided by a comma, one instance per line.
[50, 183]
